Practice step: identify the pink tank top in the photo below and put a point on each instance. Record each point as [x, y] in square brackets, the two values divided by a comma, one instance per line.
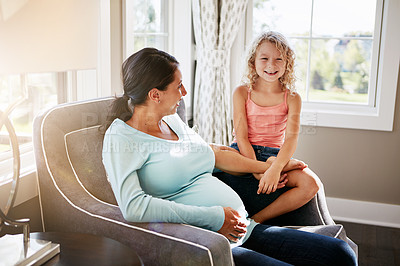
[266, 124]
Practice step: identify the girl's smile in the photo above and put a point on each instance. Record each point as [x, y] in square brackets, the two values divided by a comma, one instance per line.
[271, 74]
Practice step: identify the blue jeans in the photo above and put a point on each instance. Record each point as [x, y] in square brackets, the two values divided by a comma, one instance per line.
[262, 153]
[246, 186]
[271, 245]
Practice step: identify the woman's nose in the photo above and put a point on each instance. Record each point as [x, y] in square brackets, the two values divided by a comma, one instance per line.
[183, 90]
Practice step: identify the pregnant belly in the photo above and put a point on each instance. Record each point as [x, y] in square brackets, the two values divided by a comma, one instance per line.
[210, 191]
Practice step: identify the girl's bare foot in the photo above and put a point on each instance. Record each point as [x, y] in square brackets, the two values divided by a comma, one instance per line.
[293, 164]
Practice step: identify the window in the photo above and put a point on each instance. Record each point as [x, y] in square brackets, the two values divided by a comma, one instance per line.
[74, 51]
[339, 48]
[165, 25]
[146, 25]
[41, 91]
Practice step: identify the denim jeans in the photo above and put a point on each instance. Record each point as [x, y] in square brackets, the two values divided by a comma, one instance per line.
[271, 245]
[262, 153]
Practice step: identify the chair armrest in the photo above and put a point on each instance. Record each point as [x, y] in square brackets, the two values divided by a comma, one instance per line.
[171, 244]
[315, 212]
[155, 243]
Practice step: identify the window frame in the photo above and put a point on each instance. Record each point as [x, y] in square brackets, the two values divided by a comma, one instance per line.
[379, 113]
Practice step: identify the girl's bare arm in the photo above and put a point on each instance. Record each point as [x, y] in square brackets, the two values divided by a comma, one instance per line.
[240, 122]
[292, 132]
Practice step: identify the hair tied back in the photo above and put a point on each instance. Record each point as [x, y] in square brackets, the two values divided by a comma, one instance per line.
[126, 97]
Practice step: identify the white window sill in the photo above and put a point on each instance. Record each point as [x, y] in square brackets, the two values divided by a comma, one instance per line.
[353, 117]
[27, 188]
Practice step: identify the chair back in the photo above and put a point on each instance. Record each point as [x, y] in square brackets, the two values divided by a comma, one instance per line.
[68, 143]
[68, 140]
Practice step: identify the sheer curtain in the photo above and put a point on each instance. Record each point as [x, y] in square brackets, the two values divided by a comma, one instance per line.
[216, 23]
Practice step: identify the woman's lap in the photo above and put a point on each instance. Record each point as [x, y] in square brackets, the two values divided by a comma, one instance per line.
[293, 247]
[247, 257]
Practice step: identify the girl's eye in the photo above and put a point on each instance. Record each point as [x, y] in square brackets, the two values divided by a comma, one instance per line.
[180, 86]
[279, 59]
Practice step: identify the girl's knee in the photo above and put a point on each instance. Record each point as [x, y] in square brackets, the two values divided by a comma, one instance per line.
[308, 184]
[313, 186]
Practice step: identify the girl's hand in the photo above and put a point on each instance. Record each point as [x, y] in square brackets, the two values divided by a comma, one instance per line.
[282, 181]
[232, 228]
[269, 181]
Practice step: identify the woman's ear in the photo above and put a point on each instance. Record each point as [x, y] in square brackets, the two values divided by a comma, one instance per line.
[154, 95]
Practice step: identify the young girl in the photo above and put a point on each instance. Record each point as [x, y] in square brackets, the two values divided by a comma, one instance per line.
[266, 116]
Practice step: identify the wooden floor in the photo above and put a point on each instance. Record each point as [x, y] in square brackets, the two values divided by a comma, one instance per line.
[377, 245]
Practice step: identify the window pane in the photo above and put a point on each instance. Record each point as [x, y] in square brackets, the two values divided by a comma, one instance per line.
[150, 24]
[291, 18]
[41, 94]
[158, 42]
[300, 47]
[148, 16]
[340, 18]
[40, 91]
[340, 70]
[4, 143]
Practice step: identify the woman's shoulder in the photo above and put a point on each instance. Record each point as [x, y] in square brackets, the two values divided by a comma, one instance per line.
[120, 131]
[115, 126]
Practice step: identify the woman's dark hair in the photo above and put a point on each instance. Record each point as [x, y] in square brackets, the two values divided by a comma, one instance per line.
[144, 70]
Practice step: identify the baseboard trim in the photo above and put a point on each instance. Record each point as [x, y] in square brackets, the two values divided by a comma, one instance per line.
[364, 212]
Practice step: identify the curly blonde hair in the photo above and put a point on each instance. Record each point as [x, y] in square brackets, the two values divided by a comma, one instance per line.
[288, 78]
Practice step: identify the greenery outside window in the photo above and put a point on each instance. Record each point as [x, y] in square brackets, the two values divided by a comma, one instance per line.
[146, 25]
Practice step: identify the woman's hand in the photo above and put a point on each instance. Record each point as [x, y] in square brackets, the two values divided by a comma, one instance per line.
[222, 148]
[232, 228]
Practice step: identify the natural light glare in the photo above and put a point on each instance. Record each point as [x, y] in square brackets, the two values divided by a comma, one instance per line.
[290, 17]
[337, 18]
[330, 17]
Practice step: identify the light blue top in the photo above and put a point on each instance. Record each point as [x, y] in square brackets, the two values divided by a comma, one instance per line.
[158, 180]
